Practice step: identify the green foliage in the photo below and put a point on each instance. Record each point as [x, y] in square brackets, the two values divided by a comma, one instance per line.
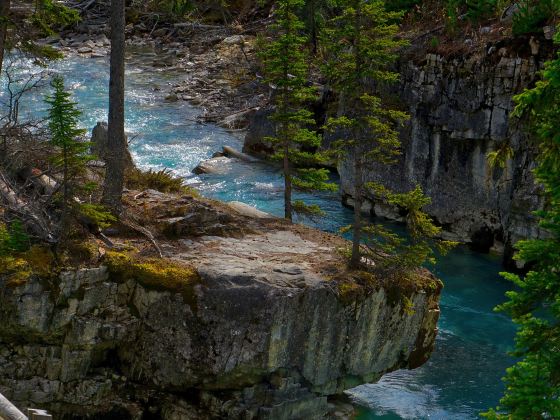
[307, 210]
[311, 179]
[285, 60]
[533, 14]
[398, 5]
[13, 238]
[97, 214]
[71, 155]
[480, 9]
[392, 251]
[163, 181]
[45, 52]
[50, 13]
[13, 242]
[361, 44]
[499, 157]
[533, 384]
[530, 16]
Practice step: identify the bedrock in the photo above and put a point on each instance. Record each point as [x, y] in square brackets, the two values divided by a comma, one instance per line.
[263, 335]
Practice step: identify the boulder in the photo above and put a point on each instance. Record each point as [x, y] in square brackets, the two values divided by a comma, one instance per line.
[99, 144]
[214, 165]
[247, 210]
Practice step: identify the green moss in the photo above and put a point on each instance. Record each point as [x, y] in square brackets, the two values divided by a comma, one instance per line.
[238, 377]
[399, 286]
[154, 273]
[18, 268]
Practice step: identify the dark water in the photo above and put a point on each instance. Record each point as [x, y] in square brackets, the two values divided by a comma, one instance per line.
[463, 376]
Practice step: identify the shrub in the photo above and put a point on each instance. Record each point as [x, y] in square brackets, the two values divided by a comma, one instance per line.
[533, 14]
[97, 215]
[163, 181]
[13, 238]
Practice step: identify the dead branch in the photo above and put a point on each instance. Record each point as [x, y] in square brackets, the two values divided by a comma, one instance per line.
[32, 218]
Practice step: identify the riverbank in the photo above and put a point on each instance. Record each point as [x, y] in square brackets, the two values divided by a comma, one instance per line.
[216, 66]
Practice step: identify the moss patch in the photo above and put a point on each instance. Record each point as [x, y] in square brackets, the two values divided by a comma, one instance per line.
[18, 268]
[399, 286]
[154, 273]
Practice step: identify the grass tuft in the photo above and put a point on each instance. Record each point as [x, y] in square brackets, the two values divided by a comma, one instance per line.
[163, 181]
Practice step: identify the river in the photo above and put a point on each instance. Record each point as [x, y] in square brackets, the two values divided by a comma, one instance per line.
[462, 378]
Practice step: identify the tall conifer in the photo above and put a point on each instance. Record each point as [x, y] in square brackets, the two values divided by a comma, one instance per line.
[286, 62]
[533, 384]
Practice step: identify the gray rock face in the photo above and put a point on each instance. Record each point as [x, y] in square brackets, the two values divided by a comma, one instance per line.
[99, 144]
[459, 113]
[263, 335]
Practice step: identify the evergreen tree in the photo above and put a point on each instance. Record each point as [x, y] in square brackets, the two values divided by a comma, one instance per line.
[65, 136]
[286, 67]
[361, 44]
[533, 384]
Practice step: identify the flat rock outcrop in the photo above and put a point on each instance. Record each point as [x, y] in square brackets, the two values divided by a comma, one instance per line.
[267, 324]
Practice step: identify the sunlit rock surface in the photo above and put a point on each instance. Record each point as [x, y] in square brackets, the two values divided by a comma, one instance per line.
[271, 327]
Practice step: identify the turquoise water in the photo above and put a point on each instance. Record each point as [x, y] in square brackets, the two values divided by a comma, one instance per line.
[463, 376]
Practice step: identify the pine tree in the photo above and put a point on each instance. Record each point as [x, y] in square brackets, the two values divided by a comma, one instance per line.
[285, 61]
[533, 384]
[65, 136]
[361, 45]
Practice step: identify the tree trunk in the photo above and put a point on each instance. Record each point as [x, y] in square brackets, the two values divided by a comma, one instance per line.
[287, 184]
[358, 200]
[116, 141]
[4, 13]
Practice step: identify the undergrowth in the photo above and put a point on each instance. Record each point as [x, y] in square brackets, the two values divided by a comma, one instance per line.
[163, 181]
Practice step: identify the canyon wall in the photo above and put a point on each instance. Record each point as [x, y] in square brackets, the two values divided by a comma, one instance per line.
[460, 111]
[460, 108]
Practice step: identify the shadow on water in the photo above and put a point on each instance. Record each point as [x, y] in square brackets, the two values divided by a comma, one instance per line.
[463, 376]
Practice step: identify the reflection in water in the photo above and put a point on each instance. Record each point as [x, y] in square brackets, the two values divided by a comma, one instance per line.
[463, 376]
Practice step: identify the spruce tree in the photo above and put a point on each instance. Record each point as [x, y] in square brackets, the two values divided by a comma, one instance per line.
[361, 45]
[71, 155]
[285, 61]
[533, 384]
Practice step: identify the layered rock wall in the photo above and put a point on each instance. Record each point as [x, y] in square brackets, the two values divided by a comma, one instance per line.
[460, 111]
[263, 332]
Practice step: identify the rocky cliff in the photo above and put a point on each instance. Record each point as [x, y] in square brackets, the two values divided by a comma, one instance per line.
[460, 111]
[246, 317]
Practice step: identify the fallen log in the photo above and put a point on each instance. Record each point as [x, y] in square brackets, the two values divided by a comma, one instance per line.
[232, 153]
[9, 411]
[31, 218]
[42, 182]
